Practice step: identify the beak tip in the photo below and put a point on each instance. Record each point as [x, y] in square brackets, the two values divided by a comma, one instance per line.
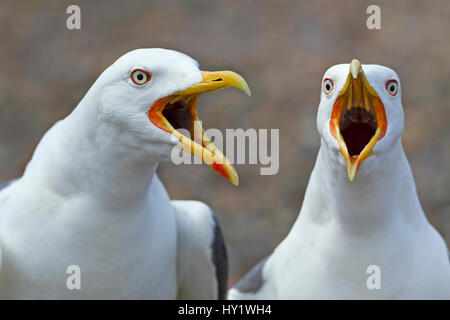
[243, 85]
[351, 175]
[355, 68]
[351, 171]
[234, 179]
[240, 83]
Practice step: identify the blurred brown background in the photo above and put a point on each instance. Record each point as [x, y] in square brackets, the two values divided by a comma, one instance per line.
[281, 47]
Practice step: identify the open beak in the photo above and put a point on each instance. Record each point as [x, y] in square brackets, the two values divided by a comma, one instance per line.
[358, 119]
[179, 111]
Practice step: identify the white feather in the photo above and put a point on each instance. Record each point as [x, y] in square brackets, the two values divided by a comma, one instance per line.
[90, 197]
[344, 227]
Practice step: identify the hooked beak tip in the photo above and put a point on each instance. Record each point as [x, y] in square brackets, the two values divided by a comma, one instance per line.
[355, 68]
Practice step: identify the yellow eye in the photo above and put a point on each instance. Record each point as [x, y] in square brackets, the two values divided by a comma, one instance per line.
[328, 85]
[392, 87]
[140, 76]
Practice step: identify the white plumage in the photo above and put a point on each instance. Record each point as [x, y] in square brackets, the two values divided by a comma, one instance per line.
[90, 196]
[344, 226]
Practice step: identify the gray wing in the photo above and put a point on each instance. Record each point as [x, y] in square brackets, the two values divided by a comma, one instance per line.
[202, 263]
[252, 281]
[220, 260]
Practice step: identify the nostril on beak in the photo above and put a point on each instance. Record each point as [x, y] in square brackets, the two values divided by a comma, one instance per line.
[219, 79]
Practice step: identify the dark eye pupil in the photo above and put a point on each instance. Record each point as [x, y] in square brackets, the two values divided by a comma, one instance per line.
[327, 86]
[392, 88]
[140, 76]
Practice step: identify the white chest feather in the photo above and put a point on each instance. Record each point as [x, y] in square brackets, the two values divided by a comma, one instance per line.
[120, 254]
[360, 241]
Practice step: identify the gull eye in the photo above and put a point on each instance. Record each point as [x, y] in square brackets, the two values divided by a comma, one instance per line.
[328, 85]
[140, 77]
[392, 87]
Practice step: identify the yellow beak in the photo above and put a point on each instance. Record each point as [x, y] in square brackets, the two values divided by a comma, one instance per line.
[357, 99]
[200, 145]
[217, 80]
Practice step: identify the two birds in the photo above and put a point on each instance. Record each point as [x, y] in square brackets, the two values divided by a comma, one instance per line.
[90, 197]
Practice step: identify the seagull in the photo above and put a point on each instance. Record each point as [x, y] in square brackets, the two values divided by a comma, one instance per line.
[361, 232]
[90, 219]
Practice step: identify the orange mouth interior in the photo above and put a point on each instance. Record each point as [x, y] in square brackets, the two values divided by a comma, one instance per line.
[358, 121]
[177, 112]
[170, 113]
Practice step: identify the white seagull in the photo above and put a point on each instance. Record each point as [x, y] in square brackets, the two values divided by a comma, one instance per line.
[89, 218]
[361, 236]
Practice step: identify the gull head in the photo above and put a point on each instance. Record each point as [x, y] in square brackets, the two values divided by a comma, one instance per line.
[360, 115]
[150, 97]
